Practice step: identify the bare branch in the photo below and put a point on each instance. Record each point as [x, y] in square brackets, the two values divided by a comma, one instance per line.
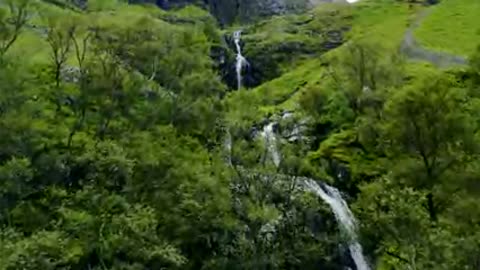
[12, 26]
[60, 39]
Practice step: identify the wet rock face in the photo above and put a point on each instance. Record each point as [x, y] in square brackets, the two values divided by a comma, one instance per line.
[80, 3]
[227, 11]
[167, 4]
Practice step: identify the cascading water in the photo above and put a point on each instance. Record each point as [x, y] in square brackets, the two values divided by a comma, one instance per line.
[271, 141]
[241, 61]
[344, 217]
[228, 147]
[328, 194]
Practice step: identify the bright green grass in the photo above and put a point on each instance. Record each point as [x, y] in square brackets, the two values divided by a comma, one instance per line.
[283, 92]
[98, 5]
[383, 22]
[452, 26]
[31, 47]
[273, 96]
[34, 49]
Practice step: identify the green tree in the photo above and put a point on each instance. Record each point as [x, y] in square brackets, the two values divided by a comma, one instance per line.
[61, 31]
[12, 21]
[430, 127]
[363, 71]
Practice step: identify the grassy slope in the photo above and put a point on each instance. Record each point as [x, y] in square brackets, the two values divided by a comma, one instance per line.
[304, 34]
[32, 47]
[383, 21]
[380, 21]
[452, 26]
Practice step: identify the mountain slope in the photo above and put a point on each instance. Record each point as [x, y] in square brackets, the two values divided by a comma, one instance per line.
[125, 143]
[452, 27]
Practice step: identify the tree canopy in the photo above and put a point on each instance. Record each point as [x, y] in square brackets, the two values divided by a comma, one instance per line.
[122, 145]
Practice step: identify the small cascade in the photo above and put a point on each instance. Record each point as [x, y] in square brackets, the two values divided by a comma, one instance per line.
[344, 217]
[271, 141]
[228, 147]
[240, 61]
[296, 130]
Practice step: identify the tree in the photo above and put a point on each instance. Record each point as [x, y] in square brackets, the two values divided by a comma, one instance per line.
[363, 71]
[82, 44]
[398, 230]
[430, 125]
[105, 232]
[12, 21]
[61, 31]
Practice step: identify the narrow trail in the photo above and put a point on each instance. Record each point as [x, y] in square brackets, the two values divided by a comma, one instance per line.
[413, 50]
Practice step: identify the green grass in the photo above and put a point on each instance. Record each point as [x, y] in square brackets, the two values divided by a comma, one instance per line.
[453, 26]
[383, 21]
[279, 44]
[30, 45]
[282, 93]
[273, 96]
[99, 5]
[31, 48]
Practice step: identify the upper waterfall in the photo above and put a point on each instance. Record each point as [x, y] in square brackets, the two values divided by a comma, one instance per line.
[240, 59]
[228, 146]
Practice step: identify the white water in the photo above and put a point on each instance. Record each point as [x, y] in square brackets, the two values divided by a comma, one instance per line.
[241, 61]
[228, 147]
[344, 216]
[271, 142]
[329, 194]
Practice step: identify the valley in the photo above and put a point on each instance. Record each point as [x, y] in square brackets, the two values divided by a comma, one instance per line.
[239, 134]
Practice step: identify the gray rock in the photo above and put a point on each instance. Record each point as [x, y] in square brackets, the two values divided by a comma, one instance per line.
[70, 74]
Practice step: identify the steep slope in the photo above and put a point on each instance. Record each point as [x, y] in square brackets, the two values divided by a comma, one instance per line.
[383, 23]
[452, 27]
[104, 15]
[121, 147]
[413, 50]
[275, 45]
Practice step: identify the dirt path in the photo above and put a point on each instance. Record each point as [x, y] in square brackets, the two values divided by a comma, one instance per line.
[413, 50]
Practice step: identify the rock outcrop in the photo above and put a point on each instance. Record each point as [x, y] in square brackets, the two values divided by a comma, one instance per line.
[229, 11]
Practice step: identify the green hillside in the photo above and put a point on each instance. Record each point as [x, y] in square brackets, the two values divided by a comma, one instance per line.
[452, 26]
[242, 134]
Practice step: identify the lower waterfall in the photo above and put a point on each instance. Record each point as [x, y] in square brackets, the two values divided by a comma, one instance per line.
[329, 195]
[344, 217]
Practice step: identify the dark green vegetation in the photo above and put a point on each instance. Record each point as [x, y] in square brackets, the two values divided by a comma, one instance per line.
[113, 119]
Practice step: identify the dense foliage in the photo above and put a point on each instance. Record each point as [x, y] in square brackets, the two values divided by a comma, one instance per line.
[112, 145]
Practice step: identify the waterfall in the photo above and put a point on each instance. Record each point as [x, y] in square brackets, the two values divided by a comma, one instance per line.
[228, 147]
[241, 61]
[344, 217]
[271, 141]
[328, 194]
